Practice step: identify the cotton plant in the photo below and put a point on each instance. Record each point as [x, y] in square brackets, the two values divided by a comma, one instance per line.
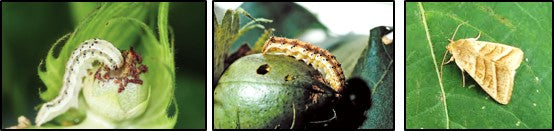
[112, 71]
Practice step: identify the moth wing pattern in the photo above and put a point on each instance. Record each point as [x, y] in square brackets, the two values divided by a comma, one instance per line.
[491, 65]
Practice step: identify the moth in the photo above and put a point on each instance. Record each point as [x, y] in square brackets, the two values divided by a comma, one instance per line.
[492, 65]
[115, 67]
[319, 58]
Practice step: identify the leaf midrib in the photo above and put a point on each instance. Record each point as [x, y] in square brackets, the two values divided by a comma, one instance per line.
[422, 12]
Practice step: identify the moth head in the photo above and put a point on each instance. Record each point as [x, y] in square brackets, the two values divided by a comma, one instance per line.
[458, 44]
[450, 46]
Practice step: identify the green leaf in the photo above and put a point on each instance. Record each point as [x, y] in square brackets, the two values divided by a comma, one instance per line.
[290, 20]
[258, 46]
[227, 33]
[376, 67]
[224, 33]
[348, 49]
[161, 54]
[80, 10]
[434, 102]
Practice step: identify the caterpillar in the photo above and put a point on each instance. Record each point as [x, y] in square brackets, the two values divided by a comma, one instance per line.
[115, 67]
[319, 58]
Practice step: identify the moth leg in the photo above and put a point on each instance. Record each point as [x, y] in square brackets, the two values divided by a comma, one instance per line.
[451, 59]
[463, 78]
[479, 35]
[442, 62]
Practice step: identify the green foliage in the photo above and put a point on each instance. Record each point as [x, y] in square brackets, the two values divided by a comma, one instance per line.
[348, 49]
[290, 20]
[80, 10]
[376, 66]
[227, 33]
[435, 102]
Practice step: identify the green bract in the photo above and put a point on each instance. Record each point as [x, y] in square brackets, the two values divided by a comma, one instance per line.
[268, 91]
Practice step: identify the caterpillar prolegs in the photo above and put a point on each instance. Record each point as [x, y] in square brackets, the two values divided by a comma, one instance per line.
[93, 58]
[317, 57]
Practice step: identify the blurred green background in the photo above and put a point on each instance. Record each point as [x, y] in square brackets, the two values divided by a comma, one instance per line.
[30, 29]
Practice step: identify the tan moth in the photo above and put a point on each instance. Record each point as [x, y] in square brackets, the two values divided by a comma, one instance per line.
[491, 65]
[117, 67]
[317, 57]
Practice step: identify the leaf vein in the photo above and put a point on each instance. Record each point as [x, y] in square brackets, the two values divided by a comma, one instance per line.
[422, 12]
[532, 17]
[483, 33]
[424, 111]
[382, 77]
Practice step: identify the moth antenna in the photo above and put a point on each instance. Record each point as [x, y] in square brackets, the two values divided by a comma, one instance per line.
[452, 39]
[479, 35]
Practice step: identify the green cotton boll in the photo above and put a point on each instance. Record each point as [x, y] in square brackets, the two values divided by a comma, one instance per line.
[268, 91]
[103, 99]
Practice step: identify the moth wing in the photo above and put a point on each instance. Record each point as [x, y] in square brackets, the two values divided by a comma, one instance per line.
[506, 55]
[505, 83]
[464, 53]
[495, 79]
[495, 69]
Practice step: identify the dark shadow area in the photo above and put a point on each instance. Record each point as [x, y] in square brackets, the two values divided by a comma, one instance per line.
[355, 101]
[349, 111]
[187, 19]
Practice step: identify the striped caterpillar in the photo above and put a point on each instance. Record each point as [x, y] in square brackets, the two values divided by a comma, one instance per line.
[94, 54]
[317, 57]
